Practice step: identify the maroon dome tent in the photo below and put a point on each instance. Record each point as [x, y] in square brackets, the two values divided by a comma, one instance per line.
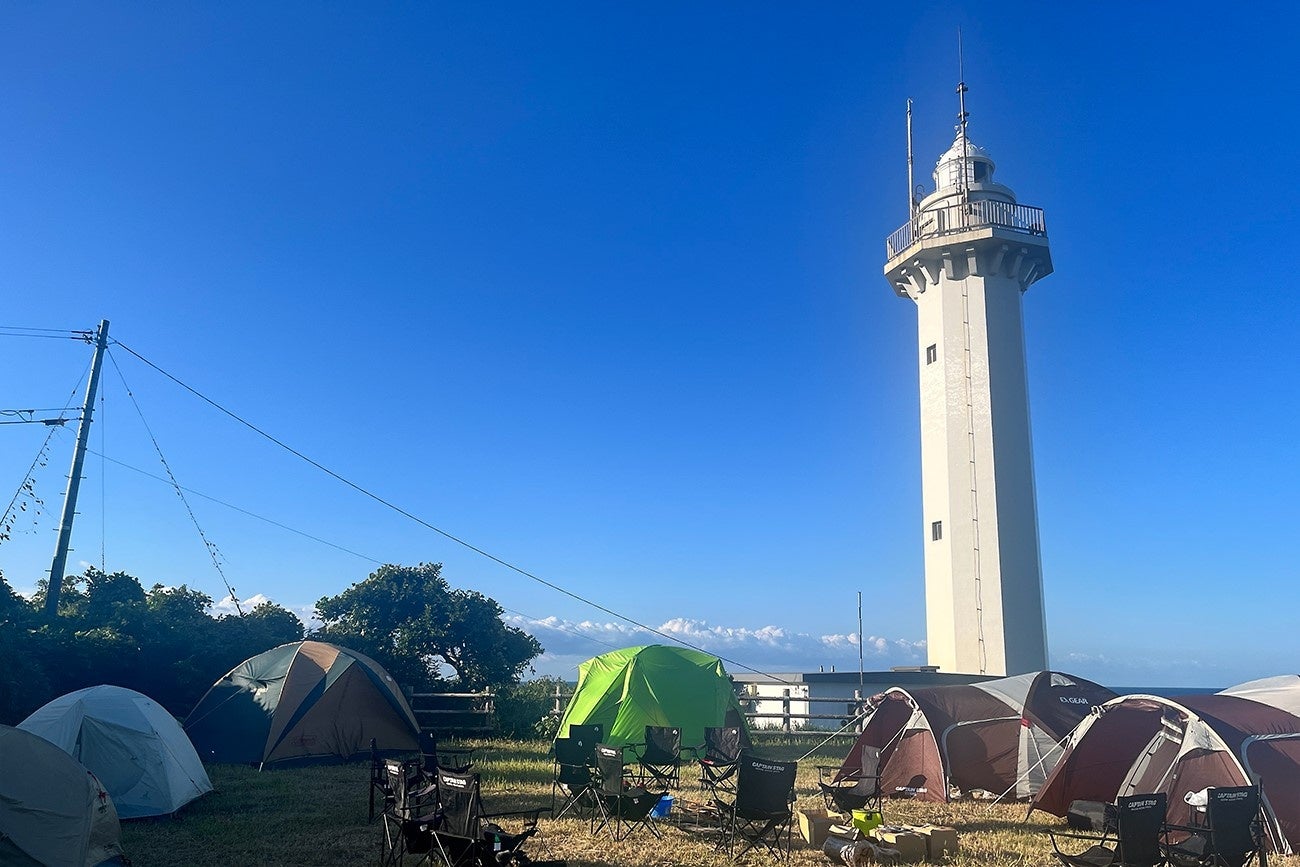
[1001, 736]
[1142, 744]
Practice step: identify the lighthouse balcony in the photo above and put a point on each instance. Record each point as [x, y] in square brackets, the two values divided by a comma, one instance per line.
[966, 217]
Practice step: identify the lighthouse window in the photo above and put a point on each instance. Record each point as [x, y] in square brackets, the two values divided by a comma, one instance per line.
[932, 353]
[936, 531]
[981, 172]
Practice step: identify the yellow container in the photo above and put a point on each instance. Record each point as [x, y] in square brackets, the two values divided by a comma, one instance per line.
[865, 820]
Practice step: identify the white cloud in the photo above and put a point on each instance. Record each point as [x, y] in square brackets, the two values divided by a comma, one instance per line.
[305, 613]
[768, 648]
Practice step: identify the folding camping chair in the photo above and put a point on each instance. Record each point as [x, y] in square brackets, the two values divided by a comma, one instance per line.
[458, 759]
[465, 837]
[409, 810]
[659, 759]
[621, 808]
[1132, 841]
[1231, 833]
[763, 812]
[575, 779]
[719, 757]
[855, 789]
[589, 733]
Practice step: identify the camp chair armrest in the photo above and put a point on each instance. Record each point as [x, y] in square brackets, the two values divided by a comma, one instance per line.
[1192, 829]
[505, 814]
[1074, 835]
[1096, 839]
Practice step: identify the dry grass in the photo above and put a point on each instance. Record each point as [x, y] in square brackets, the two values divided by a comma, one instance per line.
[317, 817]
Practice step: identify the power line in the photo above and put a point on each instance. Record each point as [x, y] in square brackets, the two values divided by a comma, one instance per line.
[60, 331]
[73, 335]
[212, 548]
[445, 534]
[233, 507]
[28, 483]
[334, 545]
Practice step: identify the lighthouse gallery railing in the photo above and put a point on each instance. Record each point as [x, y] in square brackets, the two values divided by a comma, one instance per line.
[978, 214]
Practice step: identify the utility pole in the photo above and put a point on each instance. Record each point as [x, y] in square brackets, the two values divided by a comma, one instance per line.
[74, 477]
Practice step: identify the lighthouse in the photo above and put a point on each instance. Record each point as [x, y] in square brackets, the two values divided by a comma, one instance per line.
[965, 257]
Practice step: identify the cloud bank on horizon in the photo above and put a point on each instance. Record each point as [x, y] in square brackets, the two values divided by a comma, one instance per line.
[766, 648]
[776, 649]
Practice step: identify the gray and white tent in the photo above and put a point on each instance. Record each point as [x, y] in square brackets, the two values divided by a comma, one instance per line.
[52, 810]
[136, 748]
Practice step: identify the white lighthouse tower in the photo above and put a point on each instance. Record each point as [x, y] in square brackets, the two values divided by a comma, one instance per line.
[965, 257]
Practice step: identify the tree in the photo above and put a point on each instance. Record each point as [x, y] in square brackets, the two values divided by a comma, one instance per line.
[23, 683]
[415, 624]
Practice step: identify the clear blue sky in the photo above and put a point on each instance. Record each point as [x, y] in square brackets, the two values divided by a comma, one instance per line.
[598, 289]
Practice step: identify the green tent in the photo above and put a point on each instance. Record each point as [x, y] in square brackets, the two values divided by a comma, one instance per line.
[629, 689]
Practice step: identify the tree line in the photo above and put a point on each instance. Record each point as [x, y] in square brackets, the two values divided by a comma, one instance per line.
[164, 643]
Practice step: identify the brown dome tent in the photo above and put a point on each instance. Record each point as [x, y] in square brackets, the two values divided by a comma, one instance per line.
[1001, 736]
[1142, 744]
[303, 701]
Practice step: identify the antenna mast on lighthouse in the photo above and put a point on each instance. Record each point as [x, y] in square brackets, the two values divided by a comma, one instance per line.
[961, 120]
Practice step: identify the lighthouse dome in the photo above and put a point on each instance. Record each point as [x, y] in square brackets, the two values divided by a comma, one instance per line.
[978, 164]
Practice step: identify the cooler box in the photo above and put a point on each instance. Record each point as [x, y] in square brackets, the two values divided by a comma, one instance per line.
[663, 808]
[865, 820]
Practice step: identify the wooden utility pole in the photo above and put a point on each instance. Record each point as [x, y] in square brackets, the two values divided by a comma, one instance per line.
[74, 477]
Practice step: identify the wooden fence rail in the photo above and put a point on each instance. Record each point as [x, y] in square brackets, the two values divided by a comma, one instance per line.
[853, 708]
[453, 712]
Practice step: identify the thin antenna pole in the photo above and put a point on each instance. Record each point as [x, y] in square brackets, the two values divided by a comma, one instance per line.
[859, 643]
[961, 117]
[911, 194]
[60, 560]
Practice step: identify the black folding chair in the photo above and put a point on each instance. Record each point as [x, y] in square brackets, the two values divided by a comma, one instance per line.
[855, 789]
[763, 812]
[1134, 840]
[410, 811]
[574, 784]
[623, 808]
[719, 757]
[1231, 835]
[659, 759]
[458, 759]
[588, 733]
[465, 836]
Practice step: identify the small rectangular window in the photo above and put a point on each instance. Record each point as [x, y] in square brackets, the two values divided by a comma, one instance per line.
[932, 353]
[936, 531]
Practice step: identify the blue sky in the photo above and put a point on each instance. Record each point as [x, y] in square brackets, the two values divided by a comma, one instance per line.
[599, 290]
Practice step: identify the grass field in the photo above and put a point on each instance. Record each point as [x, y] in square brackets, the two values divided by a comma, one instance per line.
[317, 817]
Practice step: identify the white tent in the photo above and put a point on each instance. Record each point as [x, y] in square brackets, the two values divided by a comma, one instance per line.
[136, 748]
[52, 810]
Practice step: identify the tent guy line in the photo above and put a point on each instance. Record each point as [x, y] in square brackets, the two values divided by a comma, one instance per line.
[411, 516]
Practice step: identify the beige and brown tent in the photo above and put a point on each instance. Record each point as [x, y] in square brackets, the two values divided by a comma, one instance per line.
[304, 701]
[52, 810]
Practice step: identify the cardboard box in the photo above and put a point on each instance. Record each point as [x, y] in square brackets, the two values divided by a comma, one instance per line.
[940, 840]
[814, 825]
[910, 845]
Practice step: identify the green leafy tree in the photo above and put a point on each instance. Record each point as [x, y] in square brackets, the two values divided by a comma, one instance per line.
[526, 710]
[161, 642]
[416, 625]
[23, 682]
